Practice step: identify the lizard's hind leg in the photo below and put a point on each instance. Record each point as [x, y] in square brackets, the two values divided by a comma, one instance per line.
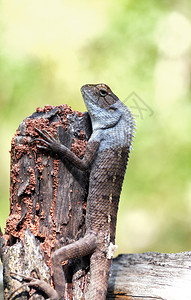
[82, 247]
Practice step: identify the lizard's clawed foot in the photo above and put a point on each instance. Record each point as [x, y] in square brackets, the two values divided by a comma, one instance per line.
[47, 138]
[44, 286]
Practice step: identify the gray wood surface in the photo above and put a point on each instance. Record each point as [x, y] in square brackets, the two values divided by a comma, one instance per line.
[151, 275]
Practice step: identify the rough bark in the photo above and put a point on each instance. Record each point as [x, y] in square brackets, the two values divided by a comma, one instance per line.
[47, 201]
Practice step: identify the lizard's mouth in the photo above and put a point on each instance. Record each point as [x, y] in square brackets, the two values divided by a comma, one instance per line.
[88, 94]
[87, 89]
[84, 91]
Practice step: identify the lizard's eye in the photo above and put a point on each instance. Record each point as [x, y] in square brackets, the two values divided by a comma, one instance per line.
[111, 109]
[103, 92]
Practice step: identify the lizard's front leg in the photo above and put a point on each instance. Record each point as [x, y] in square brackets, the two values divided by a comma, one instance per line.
[55, 145]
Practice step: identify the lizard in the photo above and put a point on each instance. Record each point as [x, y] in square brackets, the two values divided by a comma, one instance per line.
[106, 157]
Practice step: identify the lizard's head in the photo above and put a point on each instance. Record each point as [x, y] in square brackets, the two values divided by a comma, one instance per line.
[100, 102]
[108, 112]
[98, 94]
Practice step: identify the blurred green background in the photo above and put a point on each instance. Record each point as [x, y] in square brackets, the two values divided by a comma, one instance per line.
[141, 49]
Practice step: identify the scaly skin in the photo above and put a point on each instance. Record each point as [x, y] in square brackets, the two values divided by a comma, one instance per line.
[106, 156]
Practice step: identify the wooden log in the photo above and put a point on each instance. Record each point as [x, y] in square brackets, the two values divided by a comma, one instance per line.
[151, 275]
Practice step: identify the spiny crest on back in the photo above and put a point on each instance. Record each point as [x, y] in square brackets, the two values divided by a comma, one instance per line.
[131, 130]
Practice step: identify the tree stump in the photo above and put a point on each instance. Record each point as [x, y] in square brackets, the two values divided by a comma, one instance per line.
[47, 203]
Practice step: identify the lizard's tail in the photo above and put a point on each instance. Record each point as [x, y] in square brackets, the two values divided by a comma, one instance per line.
[99, 272]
